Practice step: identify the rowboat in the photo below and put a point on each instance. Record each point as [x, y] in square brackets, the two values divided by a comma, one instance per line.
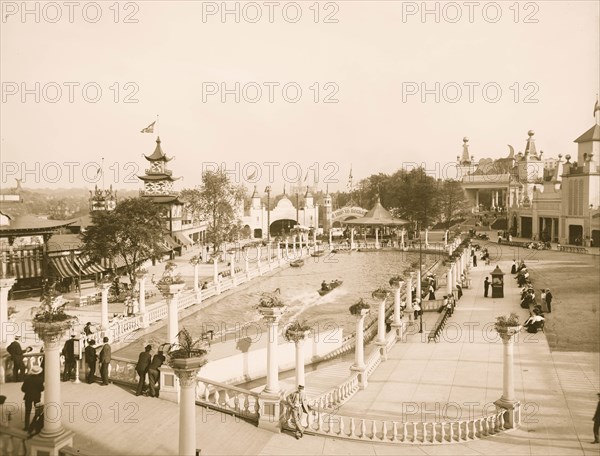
[330, 287]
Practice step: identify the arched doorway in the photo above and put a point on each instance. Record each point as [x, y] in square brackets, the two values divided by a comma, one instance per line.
[282, 227]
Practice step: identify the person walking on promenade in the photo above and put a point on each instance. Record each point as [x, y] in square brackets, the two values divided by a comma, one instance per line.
[474, 255]
[33, 385]
[154, 373]
[16, 353]
[68, 352]
[105, 357]
[90, 359]
[298, 404]
[549, 300]
[513, 268]
[486, 287]
[142, 368]
[431, 292]
[596, 420]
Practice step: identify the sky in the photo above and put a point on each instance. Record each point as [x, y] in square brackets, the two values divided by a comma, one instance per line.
[322, 87]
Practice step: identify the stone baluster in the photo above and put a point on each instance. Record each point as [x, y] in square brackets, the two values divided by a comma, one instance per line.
[104, 287]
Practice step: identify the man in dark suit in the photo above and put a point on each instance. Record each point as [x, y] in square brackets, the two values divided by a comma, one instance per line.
[68, 352]
[33, 385]
[90, 359]
[142, 368]
[154, 373]
[105, 357]
[596, 420]
[486, 287]
[549, 300]
[16, 353]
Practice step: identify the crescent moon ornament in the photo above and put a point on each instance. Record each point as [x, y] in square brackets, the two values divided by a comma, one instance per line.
[512, 151]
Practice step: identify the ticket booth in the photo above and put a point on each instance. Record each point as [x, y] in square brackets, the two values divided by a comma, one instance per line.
[497, 283]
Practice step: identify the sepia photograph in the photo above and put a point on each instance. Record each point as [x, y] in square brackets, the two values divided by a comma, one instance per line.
[311, 227]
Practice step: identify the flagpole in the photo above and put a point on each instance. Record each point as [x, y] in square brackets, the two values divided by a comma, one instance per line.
[157, 126]
[102, 171]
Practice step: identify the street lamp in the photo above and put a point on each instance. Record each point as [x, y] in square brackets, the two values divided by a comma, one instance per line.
[421, 281]
[268, 191]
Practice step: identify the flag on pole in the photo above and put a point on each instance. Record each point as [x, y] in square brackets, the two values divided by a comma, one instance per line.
[306, 177]
[99, 171]
[596, 107]
[149, 128]
[350, 179]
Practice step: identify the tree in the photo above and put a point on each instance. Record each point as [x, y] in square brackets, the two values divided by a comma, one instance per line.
[452, 201]
[218, 200]
[133, 232]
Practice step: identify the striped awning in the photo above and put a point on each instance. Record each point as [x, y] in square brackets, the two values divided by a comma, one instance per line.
[88, 267]
[64, 267]
[24, 264]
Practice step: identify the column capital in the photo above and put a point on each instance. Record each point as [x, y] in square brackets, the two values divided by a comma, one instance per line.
[187, 377]
[7, 282]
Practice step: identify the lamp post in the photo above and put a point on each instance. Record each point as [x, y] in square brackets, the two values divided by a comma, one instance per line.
[421, 280]
[268, 191]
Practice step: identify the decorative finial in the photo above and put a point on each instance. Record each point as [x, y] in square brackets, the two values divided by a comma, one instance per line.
[531, 133]
[158, 139]
[465, 139]
[568, 157]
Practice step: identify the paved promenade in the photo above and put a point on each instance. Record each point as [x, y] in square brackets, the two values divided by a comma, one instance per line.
[557, 390]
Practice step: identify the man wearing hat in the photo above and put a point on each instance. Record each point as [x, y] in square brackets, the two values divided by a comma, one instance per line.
[16, 353]
[68, 352]
[549, 300]
[298, 404]
[142, 368]
[90, 359]
[33, 385]
[596, 420]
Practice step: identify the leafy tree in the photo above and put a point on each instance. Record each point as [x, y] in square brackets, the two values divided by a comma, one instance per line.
[133, 232]
[217, 201]
[452, 201]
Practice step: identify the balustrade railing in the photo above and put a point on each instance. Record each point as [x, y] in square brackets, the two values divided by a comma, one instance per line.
[324, 422]
[12, 441]
[226, 398]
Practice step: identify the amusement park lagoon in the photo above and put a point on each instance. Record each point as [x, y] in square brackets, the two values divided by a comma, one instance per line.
[234, 315]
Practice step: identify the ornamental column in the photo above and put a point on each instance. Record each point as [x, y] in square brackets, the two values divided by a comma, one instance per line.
[330, 239]
[287, 249]
[360, 311]
[186, 370]
[398, 324]
[53, 436]
[171, 294]
[409, 282]
[297, 333]
[232, 270]
[377, 246]
[426, 238]
[508, 400]
[419, 294]
[104, 306]
[270, 398]
[6, 284]
[141, 280]
[381, 297]
[216, 280]
[351, 239]
[294, 247]
[449, 282]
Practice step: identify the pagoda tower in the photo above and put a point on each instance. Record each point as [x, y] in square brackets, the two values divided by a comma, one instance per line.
[102, 200]
[158, 187]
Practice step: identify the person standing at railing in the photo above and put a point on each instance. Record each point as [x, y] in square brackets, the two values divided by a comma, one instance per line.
[105, 357]
[154, 373]
[90, 359]
[33, 385]
[142, 368]
[68, 352]
[298, 405]
[16, 353]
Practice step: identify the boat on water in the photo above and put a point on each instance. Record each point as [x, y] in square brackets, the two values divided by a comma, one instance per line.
[328, 287]
[317, 253]
[297, 263]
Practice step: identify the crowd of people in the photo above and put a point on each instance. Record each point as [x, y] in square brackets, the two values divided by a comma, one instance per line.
[529, 300]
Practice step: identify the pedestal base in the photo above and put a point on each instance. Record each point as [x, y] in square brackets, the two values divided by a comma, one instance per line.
[41, 445]
[513, 415]
[382, 349]
[362, 375]
[269, 417]
[399, 329]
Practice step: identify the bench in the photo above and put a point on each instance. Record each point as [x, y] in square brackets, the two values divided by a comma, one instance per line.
[434, 334]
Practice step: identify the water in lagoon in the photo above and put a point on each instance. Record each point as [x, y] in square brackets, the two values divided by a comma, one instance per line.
[362, 272]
